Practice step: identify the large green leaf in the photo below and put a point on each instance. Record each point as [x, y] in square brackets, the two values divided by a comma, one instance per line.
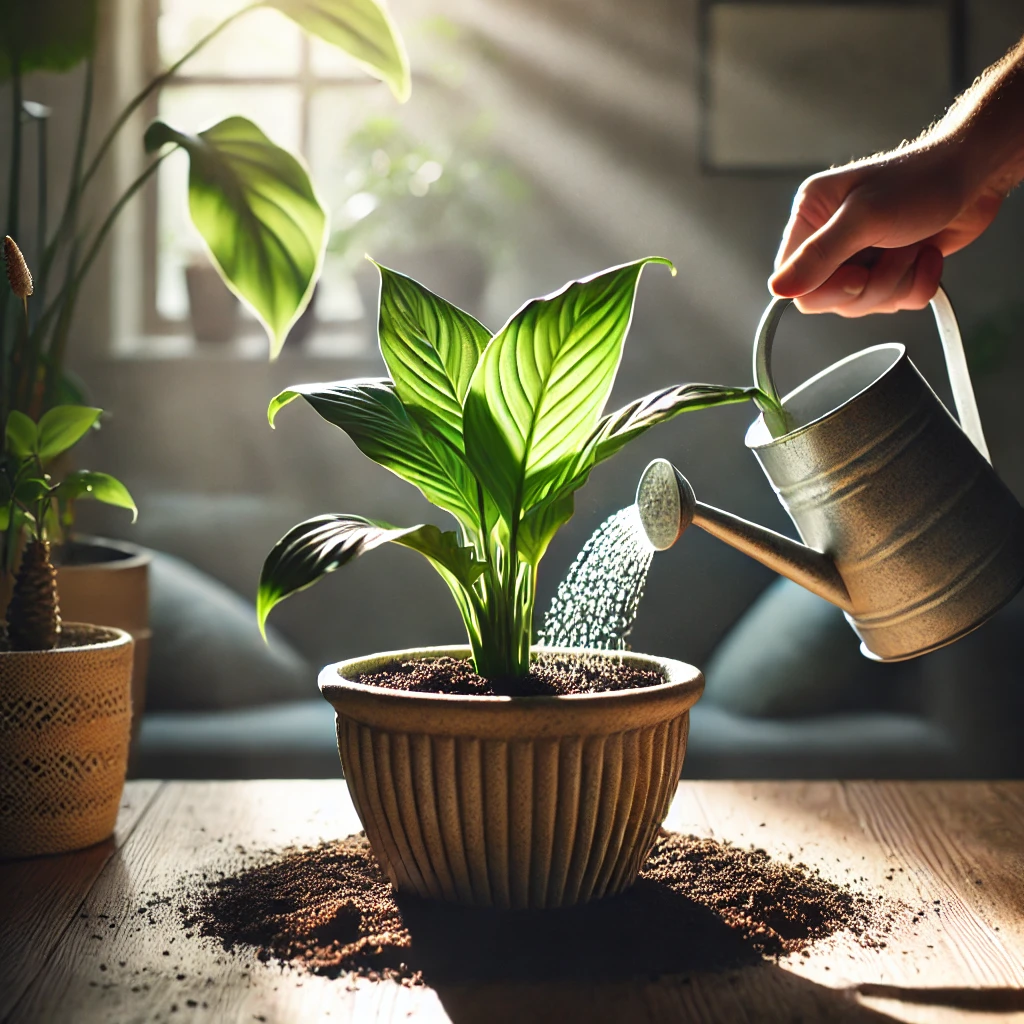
[64, 426]
[307, 552]
[256, 209]
[363, 29]
[370, 412]
[431, 349]
[21, 437]
[617, 429]
[84, 483]
[541, 384]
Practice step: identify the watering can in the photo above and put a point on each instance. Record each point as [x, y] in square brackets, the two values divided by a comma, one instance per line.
[905, 525]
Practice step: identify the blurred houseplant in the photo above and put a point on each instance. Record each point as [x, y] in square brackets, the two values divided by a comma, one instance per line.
[439, 209]
[66, 712]
[252, 202]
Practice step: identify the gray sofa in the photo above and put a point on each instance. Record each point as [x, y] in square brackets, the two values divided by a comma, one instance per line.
[788, 696]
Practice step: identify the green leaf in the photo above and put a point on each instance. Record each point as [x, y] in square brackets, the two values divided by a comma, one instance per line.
[431, 349]
[363, 29]
[256, 209]
[30, 489]
[617, 429]
[370, 412]
[64, 426]
[307, 552]
[21, 437]
[103, 487]
[541, 384]
[541, 523]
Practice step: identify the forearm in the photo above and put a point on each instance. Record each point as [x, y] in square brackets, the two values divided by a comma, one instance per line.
[986, 124]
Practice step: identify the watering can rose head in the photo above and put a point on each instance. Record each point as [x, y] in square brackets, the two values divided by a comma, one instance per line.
[498, 430]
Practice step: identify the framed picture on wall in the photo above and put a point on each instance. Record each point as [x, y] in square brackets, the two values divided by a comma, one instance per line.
[805, 84]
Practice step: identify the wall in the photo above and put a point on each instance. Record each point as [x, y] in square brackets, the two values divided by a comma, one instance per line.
[599, 112]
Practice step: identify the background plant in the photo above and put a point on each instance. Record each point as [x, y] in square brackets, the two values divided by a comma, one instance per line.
[403, 190]
[252, 202]
[499, 431]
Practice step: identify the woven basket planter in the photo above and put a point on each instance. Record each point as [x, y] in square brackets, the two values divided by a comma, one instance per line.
[523, 802]
[65, 725]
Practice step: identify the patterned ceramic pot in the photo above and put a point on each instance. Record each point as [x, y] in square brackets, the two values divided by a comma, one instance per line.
[522, 802]
[65, 725]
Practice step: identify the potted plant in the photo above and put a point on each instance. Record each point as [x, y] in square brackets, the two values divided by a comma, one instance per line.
[252, 202]
[527, 795]
[65, 688]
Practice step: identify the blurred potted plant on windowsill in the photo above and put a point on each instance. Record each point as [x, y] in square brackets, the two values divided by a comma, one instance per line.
[438, 210]
[252, 202]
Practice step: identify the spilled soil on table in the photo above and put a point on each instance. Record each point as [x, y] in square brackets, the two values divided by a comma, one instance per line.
[700, 904]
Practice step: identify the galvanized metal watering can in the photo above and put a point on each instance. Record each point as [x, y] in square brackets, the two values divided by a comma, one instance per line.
[905, 525]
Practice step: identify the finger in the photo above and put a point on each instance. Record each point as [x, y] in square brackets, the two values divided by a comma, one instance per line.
[815, 202]
[842, 288]
[816, 260]
[925, 281]
[890, 278]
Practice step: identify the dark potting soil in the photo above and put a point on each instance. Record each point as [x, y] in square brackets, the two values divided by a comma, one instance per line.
[552, 676]
[700, 904]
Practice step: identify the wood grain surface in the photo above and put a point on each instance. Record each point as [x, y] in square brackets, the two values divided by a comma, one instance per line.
[96, 937]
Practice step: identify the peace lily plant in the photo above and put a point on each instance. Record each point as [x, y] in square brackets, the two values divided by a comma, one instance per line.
[498, 430]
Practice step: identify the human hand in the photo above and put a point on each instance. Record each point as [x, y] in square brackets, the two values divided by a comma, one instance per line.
[871, 237]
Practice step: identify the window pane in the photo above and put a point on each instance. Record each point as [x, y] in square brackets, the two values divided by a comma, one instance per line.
[276, 109]
[261, 43]
[329, 62]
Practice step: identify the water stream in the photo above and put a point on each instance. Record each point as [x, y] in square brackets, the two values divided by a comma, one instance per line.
[596, 603]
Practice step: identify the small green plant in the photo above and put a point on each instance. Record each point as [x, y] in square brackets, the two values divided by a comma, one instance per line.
[33, 504]
[500, 431]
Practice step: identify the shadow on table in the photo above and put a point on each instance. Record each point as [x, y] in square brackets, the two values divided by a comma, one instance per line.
[974, 1000]
[650, 955]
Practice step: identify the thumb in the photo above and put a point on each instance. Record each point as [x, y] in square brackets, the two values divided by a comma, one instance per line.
[846, 233]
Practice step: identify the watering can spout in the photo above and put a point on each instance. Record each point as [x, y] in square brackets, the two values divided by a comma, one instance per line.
[667, 506]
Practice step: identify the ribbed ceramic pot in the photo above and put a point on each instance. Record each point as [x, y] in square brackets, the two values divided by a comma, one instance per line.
[523, 802]
[65, 725]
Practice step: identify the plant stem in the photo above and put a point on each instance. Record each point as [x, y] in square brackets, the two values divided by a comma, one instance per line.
[69, 217]
[64, 303]
[158, 81]
[13, 206]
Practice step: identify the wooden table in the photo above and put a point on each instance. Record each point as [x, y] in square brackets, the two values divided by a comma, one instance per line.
[72, 947]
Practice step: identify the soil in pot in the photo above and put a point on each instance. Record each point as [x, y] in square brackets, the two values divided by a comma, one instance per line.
[552, 676]
[701, 904]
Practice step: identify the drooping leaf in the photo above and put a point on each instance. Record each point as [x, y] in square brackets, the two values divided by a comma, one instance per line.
[256, 209]
[318, 546]
[361, 28]
[370, 412]
[84, 483]
[21, 437]
[431, 349]
[617, 429]
[541, 383]
[30, 489]
[64, 426]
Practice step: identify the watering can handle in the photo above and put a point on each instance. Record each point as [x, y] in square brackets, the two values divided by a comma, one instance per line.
[952, 348]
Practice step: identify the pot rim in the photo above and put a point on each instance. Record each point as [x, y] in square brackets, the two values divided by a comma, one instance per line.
[115, 638]
[132, 555]
[606, 710]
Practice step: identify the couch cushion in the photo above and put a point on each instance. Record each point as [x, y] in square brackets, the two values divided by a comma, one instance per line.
[793, 654]
[207, 652]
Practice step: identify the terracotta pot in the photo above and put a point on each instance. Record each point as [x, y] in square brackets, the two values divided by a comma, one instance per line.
[522, 802]
[65, 726]
[106, 582]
